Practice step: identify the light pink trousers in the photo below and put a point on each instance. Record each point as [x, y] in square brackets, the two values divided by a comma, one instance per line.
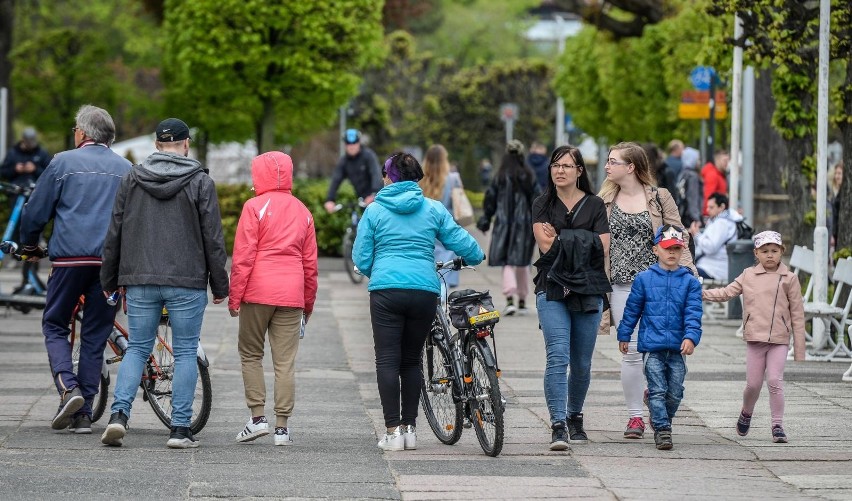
[765, 360]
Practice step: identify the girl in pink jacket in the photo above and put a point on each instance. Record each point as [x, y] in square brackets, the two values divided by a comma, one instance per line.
[273, 285]
[773, 311]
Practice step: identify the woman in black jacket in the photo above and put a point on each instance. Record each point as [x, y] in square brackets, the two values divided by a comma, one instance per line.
[572, 232]
[509, 201]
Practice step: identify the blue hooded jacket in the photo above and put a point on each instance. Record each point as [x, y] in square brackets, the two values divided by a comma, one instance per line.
[395, 244]
[669, 304]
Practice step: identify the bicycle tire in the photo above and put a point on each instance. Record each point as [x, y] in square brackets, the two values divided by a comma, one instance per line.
[443, 414]
[348, 264]
[157, 383]
[487, 409]
[99, 401]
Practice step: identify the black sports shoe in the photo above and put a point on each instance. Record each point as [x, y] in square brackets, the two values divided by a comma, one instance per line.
[743, 424]
[181, 438]
[559, 437]
[69, 404]
[663, 439]
[115, 430]
[575, 429]
[81, 424]
[778, 435]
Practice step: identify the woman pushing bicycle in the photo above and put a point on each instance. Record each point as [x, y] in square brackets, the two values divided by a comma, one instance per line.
[395, 248]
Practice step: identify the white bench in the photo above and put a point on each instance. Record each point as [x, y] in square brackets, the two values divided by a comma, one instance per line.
[834, 316]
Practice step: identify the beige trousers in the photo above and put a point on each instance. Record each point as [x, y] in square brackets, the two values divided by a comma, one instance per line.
[283, 324]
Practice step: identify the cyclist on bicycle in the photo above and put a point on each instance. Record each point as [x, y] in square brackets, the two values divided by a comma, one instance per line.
[77, 191]
[360, 166]
[22, 167]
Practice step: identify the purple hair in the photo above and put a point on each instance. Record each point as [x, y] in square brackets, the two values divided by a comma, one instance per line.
[390, 170]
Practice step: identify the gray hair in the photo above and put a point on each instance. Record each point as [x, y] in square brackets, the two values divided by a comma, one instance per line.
[96, 123]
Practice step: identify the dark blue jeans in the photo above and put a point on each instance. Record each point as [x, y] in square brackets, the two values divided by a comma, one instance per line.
[569, 340]
[664, 372]
[64, 288]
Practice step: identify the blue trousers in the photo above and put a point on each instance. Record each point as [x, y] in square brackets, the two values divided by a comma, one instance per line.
[665, 372]
[64, 288]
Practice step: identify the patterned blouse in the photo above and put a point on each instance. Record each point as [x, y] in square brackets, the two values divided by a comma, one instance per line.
[631, 248]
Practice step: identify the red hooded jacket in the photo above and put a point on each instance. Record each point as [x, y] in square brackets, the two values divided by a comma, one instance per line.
[275, 250]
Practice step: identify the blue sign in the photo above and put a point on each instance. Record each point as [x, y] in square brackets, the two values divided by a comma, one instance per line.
[569, 123]
[701, 76]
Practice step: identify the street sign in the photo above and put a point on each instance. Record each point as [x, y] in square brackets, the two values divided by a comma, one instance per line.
[701, 96]
[569, 123]
[508, 112]
[701, 76]
[701, 111]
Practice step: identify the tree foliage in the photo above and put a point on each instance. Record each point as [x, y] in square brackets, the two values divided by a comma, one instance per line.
[629, 88]
[66, 55]
[280, 69]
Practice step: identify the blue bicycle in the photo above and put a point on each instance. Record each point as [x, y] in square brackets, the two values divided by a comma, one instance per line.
[30, 294]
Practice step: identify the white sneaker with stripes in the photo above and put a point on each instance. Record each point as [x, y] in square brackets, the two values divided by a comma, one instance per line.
[253, 430]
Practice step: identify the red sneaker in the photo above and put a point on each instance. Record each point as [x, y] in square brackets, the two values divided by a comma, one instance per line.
[635, 428]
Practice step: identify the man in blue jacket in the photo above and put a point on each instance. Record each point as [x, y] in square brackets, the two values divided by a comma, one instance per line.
[667, 298]
[76, 191]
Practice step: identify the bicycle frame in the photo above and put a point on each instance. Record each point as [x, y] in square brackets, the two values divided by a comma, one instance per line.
[21, 194]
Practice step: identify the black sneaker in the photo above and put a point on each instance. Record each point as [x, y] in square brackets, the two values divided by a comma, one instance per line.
[743, 424]
[778, 435]
[559, 437]
[69, 404]
[181, 438]
[575, 429]
[663, 439]
[81, 424]
[115, 430]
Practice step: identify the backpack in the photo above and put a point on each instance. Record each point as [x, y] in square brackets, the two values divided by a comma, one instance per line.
[744, 231]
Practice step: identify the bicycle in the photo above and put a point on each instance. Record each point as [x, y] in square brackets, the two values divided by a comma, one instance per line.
[460, 385]
[31, 294]
[349, 237]
[157, 376]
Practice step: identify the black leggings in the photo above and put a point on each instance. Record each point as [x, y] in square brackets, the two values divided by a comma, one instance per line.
[402, 318]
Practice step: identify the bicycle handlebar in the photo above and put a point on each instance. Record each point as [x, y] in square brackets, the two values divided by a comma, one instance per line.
[14, 189]
[455, 265]
[22, 253]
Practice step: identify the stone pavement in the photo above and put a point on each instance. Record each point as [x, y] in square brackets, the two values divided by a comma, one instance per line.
[338, 417]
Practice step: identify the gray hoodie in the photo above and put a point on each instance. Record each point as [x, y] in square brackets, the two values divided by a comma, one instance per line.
[166, 228]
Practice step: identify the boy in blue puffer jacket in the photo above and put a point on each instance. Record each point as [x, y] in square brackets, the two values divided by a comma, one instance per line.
[667, 298]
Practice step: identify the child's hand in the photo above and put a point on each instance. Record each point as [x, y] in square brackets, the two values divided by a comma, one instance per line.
[703, 294]
[687, 347]
[623, 346]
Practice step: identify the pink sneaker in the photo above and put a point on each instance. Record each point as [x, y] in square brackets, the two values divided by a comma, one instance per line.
[635, 428]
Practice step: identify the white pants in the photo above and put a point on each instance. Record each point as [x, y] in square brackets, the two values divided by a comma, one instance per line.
[632, 370]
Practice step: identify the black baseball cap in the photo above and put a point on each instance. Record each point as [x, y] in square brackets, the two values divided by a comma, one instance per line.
[172, 129]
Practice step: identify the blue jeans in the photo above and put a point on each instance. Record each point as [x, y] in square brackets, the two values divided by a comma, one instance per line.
[144, 307]
[569, 338]
[665, 372]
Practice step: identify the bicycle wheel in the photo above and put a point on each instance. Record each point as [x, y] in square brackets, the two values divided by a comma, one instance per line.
[348, 242]
[436, 391]
[100, 399]
[488, 404]
[158, 377]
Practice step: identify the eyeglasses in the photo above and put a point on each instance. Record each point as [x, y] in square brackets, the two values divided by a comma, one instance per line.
[564, 167]
[612, 161]
[74, 130]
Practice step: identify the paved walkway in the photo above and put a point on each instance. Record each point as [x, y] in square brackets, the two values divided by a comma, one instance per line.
[338, 417]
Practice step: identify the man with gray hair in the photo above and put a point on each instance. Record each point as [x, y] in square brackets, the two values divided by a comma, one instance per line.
[76, 191]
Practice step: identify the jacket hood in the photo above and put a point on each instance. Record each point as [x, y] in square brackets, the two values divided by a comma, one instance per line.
[164, 174]
[730, 216]
[272, 171]
[403, 197]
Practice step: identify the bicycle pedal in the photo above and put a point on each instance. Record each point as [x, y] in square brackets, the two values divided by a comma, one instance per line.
[466, 423]
[113, 360]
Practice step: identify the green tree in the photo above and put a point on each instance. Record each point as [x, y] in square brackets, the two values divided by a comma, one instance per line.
[99, 52]
[629, 88]
[277, 68]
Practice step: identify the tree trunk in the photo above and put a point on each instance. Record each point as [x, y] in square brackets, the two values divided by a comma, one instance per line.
[266, 128]
[844, 234]
[201, 148]
[7, 23]
[770, 204]
[798, 189]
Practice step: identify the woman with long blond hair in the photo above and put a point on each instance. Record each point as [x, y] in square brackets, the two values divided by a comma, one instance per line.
[636, 208]
[438, 183]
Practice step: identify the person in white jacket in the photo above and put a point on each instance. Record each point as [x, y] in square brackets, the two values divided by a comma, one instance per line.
[711, 253]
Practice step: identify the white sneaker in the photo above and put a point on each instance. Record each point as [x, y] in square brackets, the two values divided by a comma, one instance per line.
[510, 310]
[409, 437]
[253, 430]
[393, 441]
[282, 436]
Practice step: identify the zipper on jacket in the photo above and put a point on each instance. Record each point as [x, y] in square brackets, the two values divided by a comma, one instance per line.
[774, 304]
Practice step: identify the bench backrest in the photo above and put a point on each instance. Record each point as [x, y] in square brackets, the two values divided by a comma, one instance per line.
[803, 260]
